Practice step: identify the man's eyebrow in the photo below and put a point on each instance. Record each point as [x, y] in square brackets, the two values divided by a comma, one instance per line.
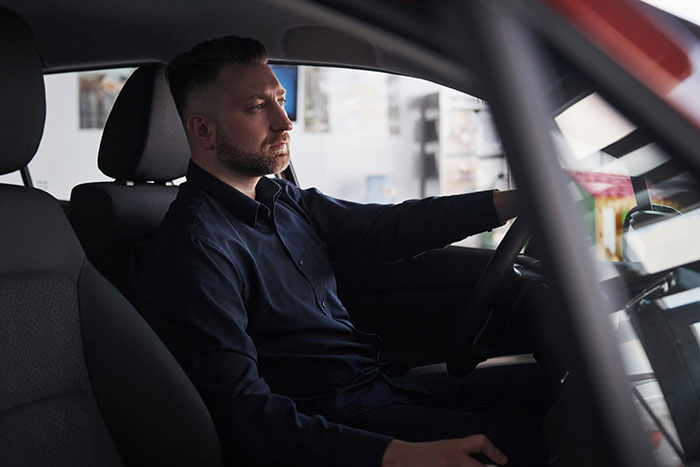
[255, 97]
[263, 96]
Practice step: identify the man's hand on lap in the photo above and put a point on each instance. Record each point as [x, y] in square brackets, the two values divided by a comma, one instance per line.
[444, 453]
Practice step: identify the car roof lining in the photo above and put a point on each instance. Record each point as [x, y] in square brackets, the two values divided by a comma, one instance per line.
[366, 34]
[73, 35]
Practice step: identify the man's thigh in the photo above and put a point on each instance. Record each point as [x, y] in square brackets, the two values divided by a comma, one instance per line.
[519, 437]
[506, 403]
[516, 390]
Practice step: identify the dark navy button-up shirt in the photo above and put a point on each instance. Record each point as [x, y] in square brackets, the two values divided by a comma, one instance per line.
[243, 293]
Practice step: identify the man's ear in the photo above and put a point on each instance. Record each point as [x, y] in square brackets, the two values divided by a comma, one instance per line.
[202, 131]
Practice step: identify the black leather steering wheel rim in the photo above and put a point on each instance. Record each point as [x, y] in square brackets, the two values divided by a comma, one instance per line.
[464, 352]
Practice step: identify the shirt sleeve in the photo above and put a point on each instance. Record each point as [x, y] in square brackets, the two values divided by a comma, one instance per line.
[393, 232]
[207, 334]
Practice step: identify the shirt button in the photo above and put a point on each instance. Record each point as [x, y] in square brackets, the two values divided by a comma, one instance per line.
[301, 262]
[324, 304]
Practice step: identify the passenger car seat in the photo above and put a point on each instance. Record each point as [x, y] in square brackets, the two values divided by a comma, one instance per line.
[143, 148]
[85, 381]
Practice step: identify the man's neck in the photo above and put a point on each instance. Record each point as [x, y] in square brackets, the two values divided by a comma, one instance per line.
[244, 184]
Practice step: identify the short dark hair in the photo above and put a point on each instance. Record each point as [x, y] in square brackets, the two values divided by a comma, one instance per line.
[193, 70]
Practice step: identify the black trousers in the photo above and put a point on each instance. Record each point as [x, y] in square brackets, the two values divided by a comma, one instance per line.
[507, 404]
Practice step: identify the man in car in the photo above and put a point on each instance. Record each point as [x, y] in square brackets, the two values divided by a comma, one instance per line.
[239, 285]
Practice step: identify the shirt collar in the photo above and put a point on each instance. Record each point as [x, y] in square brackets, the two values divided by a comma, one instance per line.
[242, 206]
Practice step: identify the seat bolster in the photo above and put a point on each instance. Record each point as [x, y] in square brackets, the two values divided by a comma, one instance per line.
[111, 219]
[42, 241]
[154, 413]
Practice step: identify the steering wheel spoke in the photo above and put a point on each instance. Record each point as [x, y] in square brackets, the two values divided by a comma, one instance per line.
[496, 282]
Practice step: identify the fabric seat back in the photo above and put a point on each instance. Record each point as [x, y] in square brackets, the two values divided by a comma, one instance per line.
[85, 381]
[143, 148]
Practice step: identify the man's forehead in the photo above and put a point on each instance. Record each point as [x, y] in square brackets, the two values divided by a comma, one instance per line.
[244, 81]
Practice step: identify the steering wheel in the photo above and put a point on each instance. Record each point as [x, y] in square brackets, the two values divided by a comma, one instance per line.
[495, 281]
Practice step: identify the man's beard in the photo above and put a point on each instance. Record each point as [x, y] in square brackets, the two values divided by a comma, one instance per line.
[250, 163]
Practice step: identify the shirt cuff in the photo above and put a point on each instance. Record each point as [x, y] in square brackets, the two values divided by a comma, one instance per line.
[479, 212]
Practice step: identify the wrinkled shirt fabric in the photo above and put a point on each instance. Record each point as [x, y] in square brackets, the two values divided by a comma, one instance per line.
[243, 293]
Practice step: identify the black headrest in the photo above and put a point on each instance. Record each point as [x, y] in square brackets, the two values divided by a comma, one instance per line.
[143, 139]
[22, 102]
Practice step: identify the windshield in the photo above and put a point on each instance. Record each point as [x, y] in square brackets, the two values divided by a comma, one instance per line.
[640, 210]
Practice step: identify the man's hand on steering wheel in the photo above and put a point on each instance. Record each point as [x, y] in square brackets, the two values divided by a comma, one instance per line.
[506, 204]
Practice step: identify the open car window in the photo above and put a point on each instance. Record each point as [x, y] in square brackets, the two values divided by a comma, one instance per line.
[374, 137]
[363, 136]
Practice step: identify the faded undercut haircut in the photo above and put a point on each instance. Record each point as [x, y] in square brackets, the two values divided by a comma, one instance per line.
[192, 71]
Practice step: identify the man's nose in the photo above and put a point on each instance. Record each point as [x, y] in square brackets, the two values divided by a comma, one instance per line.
[280, 120]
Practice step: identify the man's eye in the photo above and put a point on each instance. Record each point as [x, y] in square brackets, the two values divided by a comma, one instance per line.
[282, 102]
[258, 107]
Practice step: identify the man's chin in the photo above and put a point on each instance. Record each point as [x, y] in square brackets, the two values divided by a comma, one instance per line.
[284, 163]
[277, 162]
[282, 157]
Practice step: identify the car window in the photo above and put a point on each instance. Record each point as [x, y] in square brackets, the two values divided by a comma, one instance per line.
[13, 178]
[77, 106]
[358, 135]
[642, 214]
[379, 138]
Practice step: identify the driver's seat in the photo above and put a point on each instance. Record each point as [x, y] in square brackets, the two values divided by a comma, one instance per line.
[86, 382]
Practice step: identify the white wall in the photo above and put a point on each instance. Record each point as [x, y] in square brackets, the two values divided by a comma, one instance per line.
[67, 154]
[339, 161]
